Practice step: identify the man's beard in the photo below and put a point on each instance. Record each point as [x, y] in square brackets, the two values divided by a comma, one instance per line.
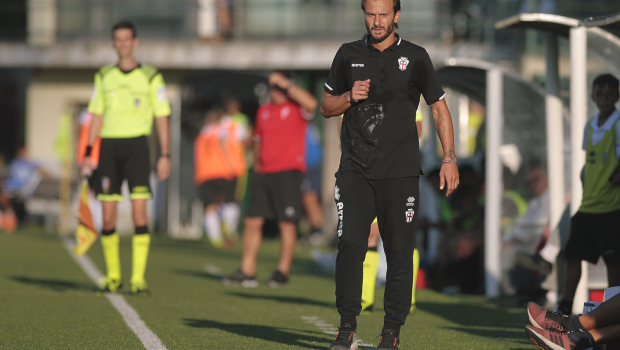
[380, 39]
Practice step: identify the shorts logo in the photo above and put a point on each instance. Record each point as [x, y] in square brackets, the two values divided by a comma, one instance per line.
[105, 184]
[336, 194]
[411, 201]
[409, 215]
[403, 62]
[357, 65]
[340, 207]
[289, 211]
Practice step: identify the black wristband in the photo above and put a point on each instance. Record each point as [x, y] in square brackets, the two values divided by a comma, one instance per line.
[88, 150]
[164, 156]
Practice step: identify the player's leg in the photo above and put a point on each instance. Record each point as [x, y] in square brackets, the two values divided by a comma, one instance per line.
[580, 246]
[108, 190]
[285, 192]
[137, 169]
[140, 247]
[230, 211]
[371, 264]
[610, 246]
[397, 206]
[211, 219]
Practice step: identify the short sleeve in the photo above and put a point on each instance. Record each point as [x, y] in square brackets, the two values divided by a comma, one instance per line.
[426, 79]
[336, 81]
[96, 105]
[159, 97]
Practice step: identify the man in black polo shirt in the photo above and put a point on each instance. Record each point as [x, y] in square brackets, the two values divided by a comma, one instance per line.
[376, 82]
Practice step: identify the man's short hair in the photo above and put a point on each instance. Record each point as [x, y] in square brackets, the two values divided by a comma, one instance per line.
[124, 25]
[396, 6]
[606, 80]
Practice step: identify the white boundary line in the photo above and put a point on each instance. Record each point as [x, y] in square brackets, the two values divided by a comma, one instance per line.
[329, 328]
[131, 317]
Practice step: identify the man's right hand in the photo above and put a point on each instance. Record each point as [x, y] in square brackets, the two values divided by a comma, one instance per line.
[360, 90]
[87, 167]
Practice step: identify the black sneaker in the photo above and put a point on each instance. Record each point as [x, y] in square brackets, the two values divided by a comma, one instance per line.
[277, 280]
[389, 340]
[534, 262]
[346, 339]
[240, 279]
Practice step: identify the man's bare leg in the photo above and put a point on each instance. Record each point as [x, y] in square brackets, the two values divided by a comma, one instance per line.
[288, 239]
[252, 239]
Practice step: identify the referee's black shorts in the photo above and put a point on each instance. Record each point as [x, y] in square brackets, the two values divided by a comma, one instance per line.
[276, 196]
[122, 159]
[593, 235]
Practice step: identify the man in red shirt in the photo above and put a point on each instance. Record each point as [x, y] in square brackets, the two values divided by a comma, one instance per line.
[279, 165]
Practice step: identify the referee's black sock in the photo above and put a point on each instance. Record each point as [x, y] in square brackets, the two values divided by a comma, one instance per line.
[565, 307]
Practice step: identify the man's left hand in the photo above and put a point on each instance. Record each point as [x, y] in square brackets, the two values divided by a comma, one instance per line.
[449, 175]
[163, 168]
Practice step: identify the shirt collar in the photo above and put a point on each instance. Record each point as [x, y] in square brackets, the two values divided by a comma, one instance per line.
[608, 123]
[392, 47]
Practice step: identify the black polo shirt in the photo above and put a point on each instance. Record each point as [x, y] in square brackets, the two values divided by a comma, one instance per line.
[379, 136]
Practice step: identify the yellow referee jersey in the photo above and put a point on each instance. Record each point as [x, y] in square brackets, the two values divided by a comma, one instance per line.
[128, 101]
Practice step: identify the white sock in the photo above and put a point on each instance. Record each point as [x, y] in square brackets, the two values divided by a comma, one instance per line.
[212, 226]
[230, 215]
[549, 253]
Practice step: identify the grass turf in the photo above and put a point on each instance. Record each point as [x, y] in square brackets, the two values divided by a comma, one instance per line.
[46, 302]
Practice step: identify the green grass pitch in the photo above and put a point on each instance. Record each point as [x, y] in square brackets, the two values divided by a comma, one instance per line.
[46, 302]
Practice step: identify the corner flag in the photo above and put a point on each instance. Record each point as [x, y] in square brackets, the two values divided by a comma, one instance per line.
[86, 234]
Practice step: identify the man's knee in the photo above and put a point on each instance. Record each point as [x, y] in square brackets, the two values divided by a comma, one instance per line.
[253, 222]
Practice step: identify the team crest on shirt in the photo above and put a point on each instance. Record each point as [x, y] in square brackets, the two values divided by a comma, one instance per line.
[403, 62]
[411, 201]
[409, 215]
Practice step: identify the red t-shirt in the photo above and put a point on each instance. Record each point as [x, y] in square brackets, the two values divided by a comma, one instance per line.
[281, 130]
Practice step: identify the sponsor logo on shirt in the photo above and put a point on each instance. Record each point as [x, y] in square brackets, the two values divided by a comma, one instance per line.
[410, 201]
[357, 65]
[336, 193]
[137, 102]
[403, 62]
[340, 207]
[284, 112]
[409, 215]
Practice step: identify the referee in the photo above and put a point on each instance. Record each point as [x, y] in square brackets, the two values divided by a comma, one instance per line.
[125, 99]
[376, 82]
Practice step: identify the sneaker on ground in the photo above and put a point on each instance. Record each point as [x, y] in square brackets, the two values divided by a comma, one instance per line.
[389, 340]
[109, 285]
[240, 279]
[549, 340]
[140, 289]
[534, 262]
[547, 320]
[346, 339]
[277, 280]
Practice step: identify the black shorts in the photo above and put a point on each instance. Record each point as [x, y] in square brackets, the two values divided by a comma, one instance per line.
[594, 235]
[218, 191]
[276, 196]
[122, 159]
